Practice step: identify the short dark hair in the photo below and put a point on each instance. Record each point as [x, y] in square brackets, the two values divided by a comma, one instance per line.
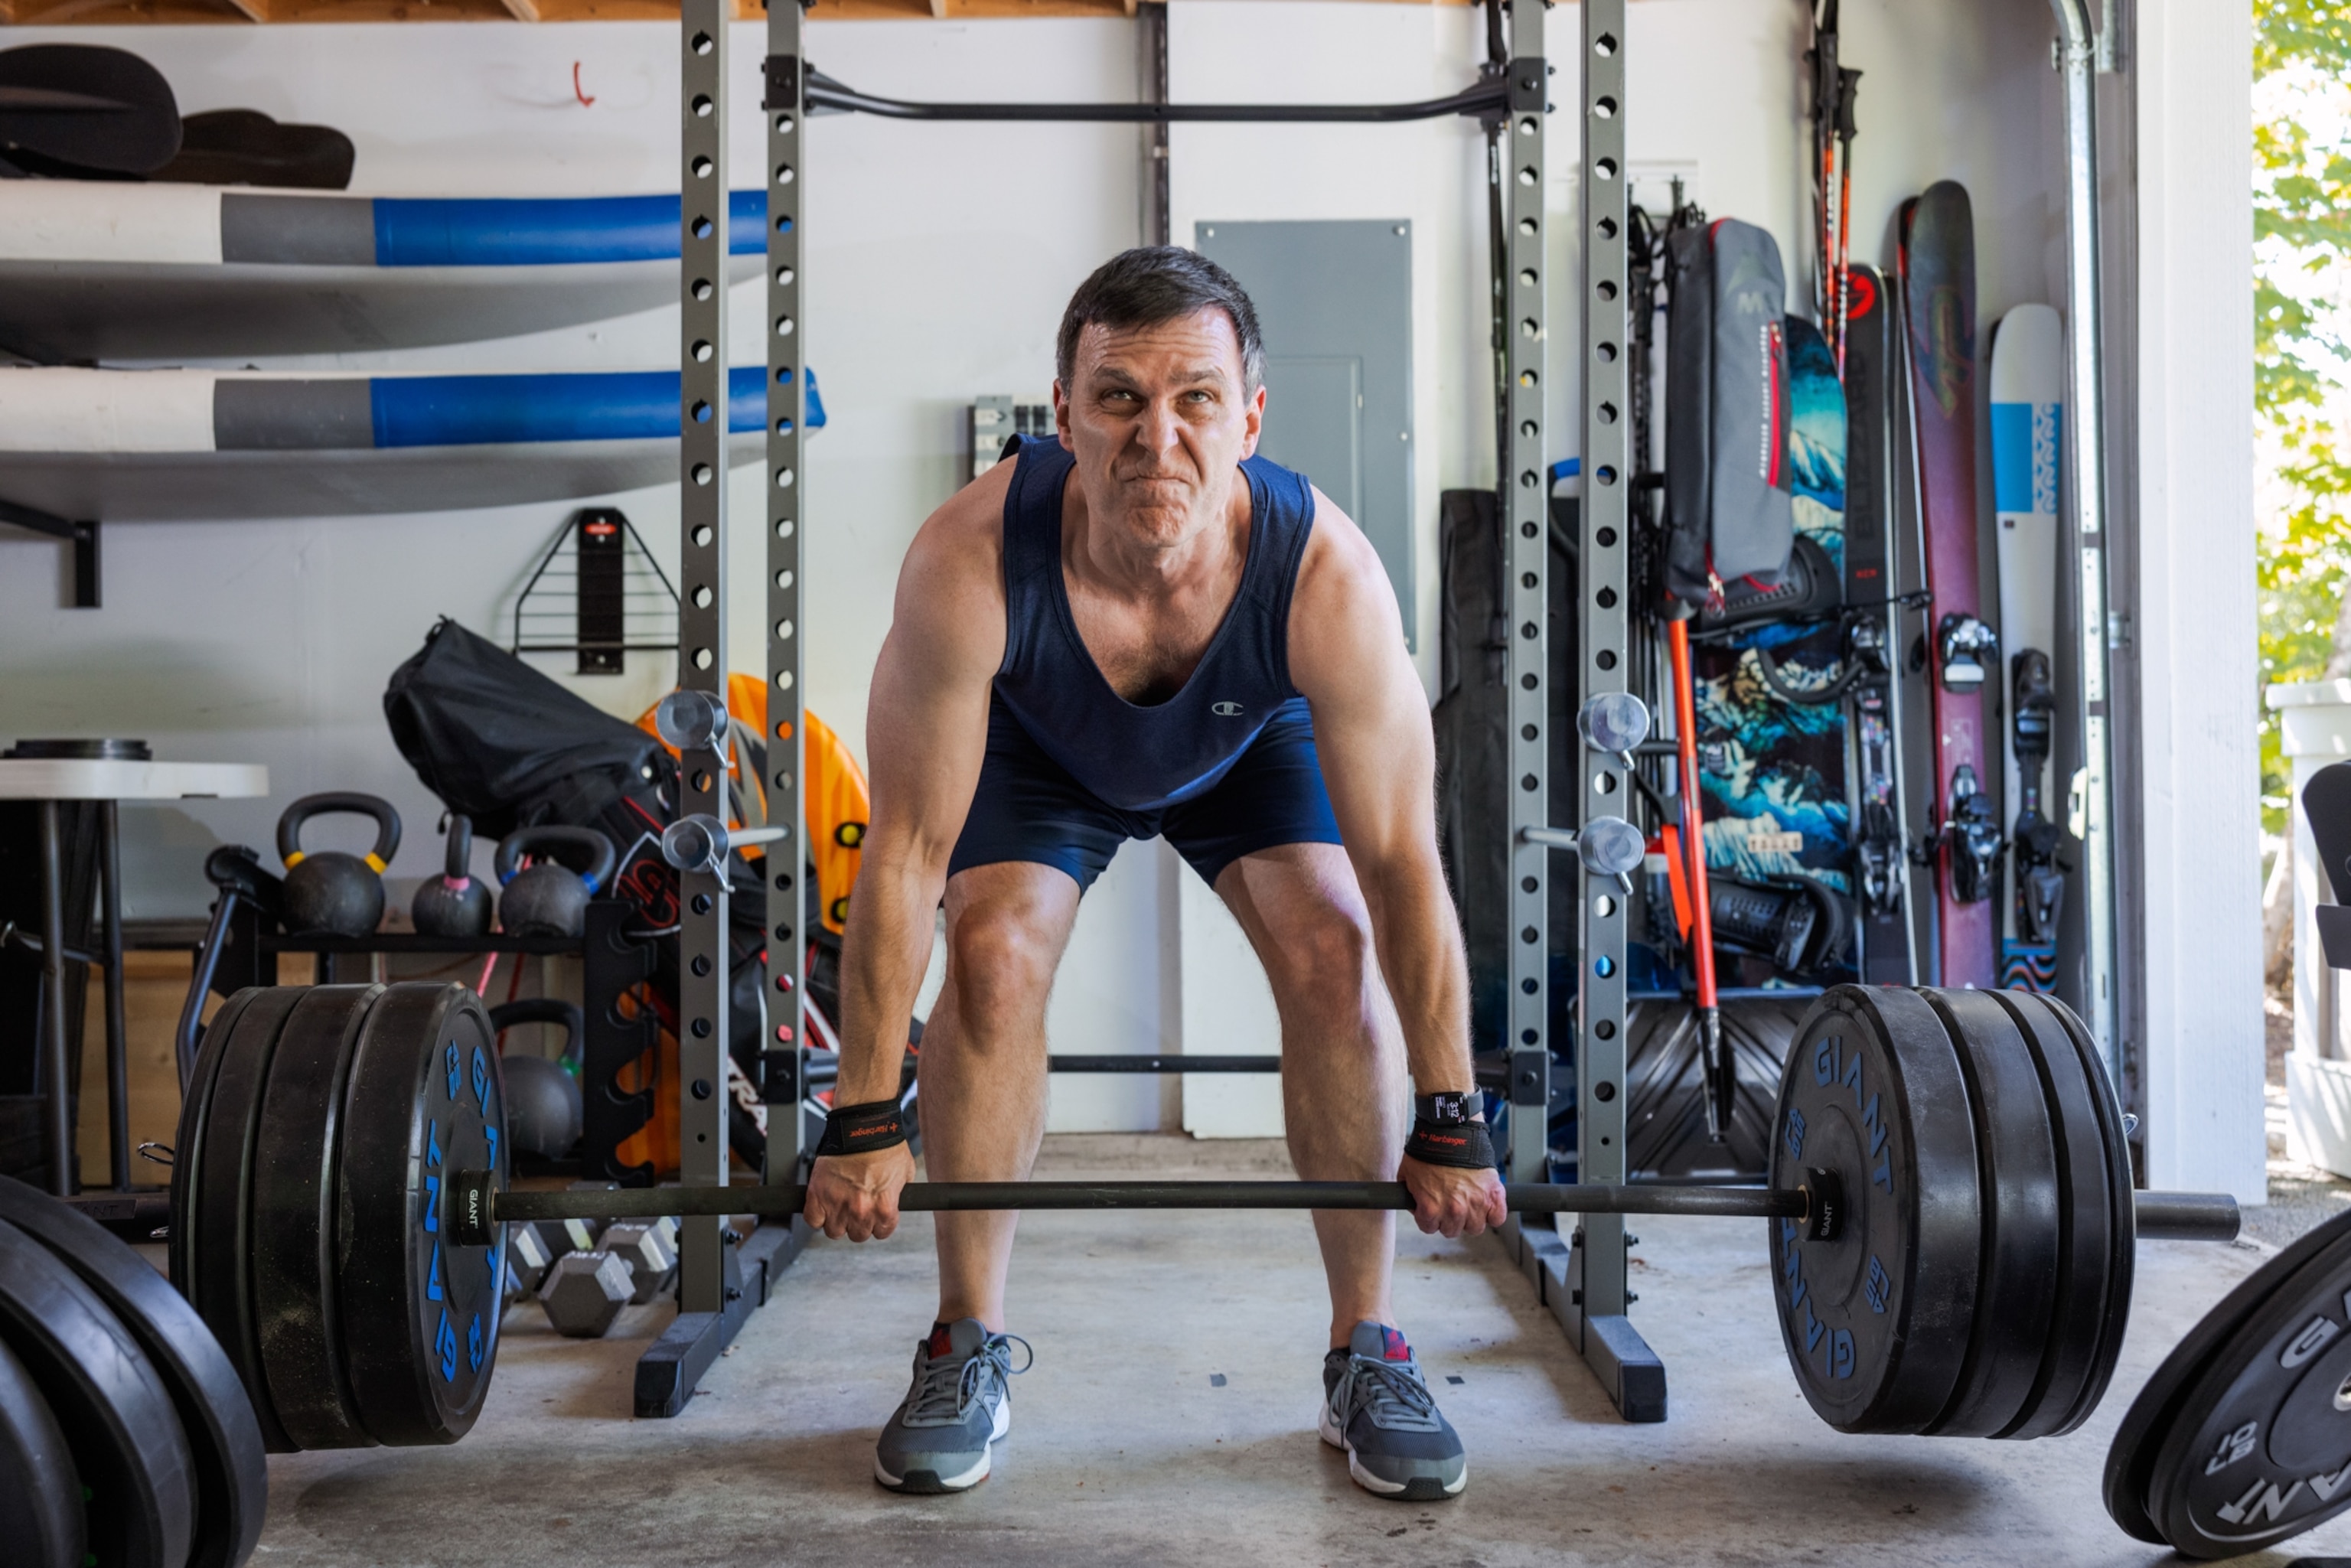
[1152, 284]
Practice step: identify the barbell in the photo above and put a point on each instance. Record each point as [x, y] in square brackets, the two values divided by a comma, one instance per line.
[1950, 1209]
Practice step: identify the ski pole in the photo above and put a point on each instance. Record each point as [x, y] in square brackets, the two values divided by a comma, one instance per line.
[1718, 1082]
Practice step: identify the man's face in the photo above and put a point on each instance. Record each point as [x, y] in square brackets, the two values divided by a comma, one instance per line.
[1158, 418]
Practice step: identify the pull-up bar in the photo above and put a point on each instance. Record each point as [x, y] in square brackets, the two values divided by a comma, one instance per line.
[1487, 96]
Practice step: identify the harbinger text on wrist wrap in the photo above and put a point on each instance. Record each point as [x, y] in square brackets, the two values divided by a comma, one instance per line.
[1465, 1145]
[857, 1129]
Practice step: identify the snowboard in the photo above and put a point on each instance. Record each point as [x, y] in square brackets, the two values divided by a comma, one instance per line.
[2027, 381]
[1773, 770]
[1873, 362]
[1938, 293]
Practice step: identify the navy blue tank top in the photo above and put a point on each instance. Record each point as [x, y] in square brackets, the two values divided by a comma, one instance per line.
[1134, 758]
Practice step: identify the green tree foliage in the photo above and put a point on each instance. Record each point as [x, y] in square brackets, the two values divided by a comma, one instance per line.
[2302, 238]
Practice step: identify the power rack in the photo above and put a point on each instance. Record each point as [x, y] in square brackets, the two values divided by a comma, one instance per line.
[1581, 1277]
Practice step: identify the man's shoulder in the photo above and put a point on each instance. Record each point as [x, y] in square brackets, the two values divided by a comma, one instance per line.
[966, 534]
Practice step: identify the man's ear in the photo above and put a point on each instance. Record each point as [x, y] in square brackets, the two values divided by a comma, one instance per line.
[1253, 422]
[1061, 414]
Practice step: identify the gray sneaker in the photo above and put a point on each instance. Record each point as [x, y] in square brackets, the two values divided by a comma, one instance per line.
[1377, 1406]
[937, 1441]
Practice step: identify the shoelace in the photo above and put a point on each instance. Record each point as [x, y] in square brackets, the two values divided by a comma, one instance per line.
[945, 1394]
[1391, 1392]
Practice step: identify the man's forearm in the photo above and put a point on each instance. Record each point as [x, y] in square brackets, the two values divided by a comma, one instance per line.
[884, 955]
[1418, 939]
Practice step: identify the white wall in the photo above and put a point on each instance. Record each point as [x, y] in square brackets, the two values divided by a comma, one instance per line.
[2194, 637]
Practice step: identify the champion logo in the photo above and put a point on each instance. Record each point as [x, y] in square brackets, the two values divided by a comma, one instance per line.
[1228, 709]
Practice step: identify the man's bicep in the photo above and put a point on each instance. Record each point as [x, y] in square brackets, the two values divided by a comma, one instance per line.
[1371, 729]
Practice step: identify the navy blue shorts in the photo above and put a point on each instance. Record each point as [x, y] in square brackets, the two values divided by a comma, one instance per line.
[1028, 808]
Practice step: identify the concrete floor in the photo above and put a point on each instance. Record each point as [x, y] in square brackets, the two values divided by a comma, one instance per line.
[1124, 1449]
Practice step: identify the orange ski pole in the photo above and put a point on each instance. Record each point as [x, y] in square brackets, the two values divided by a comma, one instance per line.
[1718, 1081]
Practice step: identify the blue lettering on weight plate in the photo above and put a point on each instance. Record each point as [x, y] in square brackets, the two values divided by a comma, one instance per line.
[444, 1341]
[1876, 1287]
[433, 1291]
[481, 1081]
[1795, 1137]
[432, 1204]
[449, 1060]
[475, 1347]
[431, 1144]
[1824, 1060]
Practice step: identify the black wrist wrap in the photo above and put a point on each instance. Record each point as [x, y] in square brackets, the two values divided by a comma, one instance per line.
[1463, 1145]
[858, 1129]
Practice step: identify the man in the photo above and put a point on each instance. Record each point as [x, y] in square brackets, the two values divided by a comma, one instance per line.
[1145, 630]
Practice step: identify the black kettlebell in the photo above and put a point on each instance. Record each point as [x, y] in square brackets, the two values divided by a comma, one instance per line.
[542, 1093]
[332, 892]
[551, 899]
[456, 903]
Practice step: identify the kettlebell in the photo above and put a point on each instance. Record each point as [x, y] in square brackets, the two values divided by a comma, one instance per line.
[543, 1094]
[548, 899]
[332, 892]
[456, 903]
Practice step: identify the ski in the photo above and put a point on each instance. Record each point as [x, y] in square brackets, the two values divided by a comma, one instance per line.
[2028, 378]
[1873, 362]
[1939, 292]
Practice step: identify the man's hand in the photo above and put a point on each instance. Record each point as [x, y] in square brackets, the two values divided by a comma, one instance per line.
[856, 1196]
[1451, 1200]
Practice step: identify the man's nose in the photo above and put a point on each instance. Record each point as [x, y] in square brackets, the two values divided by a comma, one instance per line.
[1156, 430]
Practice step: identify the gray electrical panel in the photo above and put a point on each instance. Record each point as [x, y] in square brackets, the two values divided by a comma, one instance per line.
[1334, 301]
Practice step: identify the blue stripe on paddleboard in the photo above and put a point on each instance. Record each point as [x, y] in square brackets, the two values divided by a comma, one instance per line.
[2025, 456]
[610, 405]
[550, 231]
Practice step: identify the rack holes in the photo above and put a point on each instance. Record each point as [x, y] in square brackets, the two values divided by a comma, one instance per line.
[1528, 175]
[1530, 936]
[783, 579]
[783, 631]
[701, 289]
[783, 528]
[701, 412]
[784, 275]
[1529, 732]
[1529, 125]
[1604, 1091]
[1607, 413]
[1527, 279]
[783, 680]
[783, 125]
[1606, 228]
[1606, 473]
[1603, 108]
[1530, 884]
[1530, 783]
[1605, 598]
[1604, 782]
[1605, 45]
[1605, 1029]
[1529, 986]
[1606, 289]
[1530, 480]
[783, 780]
[1527, 228]
[702, 45]
[1606, 352]
[1528, 1036]
[1531, 328]
[1603, 965]
[703, 597]
[701, 228]
[1605, 537]
[783, 478]
[702, 168]
[1606, 659]
[783, 375]
[700, 964]
[703, 658]
[783, 427]
[1529, 630]
[1529, 378]
[783, 222]
[1530, 682]
[702, 535]
[1527, 581]
[1605, 905]
[1604, 168]
[702, 106]
[701, 353]
[784, 174]
[702, 475]
[783, 326]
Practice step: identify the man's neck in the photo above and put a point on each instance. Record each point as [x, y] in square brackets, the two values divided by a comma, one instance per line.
[1151, 556]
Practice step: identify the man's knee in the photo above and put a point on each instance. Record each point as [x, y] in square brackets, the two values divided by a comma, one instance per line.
[1001, 962]
[1323, 959]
